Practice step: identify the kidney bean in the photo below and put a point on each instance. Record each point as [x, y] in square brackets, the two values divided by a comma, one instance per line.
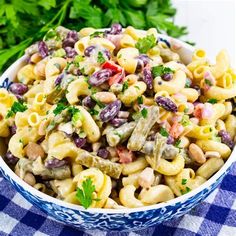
[10, 158]
[102, 152]
[225, 138]
[68, 42]
[100, 77]
[34, 150]
[88, 51]
[167, 76]
[166, 103]
[170, 140]
[43, 49]
[55, 163]
[115, 29]
[117, 122]
[59, 79]
[143, 60]
[70, 52]
[79, 142]
[147, 78]
[107, 54]
[73, 34]
[110, 111]
[18, 88]
[13, 129]
[88, 102]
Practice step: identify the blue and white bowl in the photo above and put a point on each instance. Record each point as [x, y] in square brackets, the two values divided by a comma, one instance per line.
[109, 219]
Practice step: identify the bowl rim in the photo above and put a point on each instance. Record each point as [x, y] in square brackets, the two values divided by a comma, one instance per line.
[7, 170]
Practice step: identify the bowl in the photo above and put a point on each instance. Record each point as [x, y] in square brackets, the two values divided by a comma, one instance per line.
[110, 219]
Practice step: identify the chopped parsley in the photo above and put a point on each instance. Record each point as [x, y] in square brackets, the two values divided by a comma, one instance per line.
[137, 87]
[187, 190]
[16, 107]
[77, 60]
[99, 103]
[187, 83]
[140, 100]
[160, 70]
[93, 112]
[76, 116]
[125, 86]
[118, 134]
[185, 120]
[208, 82]
[184, 181]
[85, 194]
[59, 108]
[96, 34]
[177, 143]
[164, 132]
[146, 43]
[144, 112]
[100, 58]
[212, 100]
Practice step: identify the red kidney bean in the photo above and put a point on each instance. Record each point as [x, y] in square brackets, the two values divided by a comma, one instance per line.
[88, 51]
[226, 139]
[43, 49]
[10, 158]
[100, 77]
[147, 78]
[167, 76]
[55, 163]
[18, 88]
[102, 152]
[88, 102]
[143, 60]
[117, 122]
[79, 142]
[59, 79]
[110, 111]
[115, 29]
[166, 103]
[70, 52]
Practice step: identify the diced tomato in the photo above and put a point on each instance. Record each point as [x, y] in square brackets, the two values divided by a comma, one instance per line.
[112, 66]
[176, 130]
[117, 78]
[125, 155]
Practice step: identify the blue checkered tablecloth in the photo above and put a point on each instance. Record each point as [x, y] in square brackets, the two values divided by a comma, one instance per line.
[215, 216]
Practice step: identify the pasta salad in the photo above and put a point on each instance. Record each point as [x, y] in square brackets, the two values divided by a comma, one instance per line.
[114, 118]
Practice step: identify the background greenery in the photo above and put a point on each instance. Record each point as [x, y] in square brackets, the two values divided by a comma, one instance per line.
[23, 22]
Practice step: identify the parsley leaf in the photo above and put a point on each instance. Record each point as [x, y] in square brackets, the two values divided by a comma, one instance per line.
[59, 108]
[187, 190]
[100, 58]
[208, 82]
[16, 107]
[146, 43]
[85, 194]
[140, 100]
[160, 70]
[93, 112]
[164, 132]
[177, 143]
[212, 100]
[125, 86]
[144, 112]
[185, 120]
[184, 181]
[99, 103]
[96, 34]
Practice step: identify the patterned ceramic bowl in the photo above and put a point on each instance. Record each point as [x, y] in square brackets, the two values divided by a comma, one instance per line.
[109, 219]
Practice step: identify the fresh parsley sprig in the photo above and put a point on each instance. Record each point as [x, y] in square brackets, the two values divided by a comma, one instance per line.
[160, 70]
[16, 107]
[85, 194]
[146, 43]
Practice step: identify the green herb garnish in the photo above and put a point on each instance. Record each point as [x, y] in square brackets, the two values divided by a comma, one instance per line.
[160, 70]
[177, 143]
[144, 112]
[125, 86]
[96, 34]
[99, 103]
[164, 132]
[146, 43]
[185, 120]
[212, 100]
[187, 190]
[16, 107]
[100, 58]
[93, 112]
[85, 194]
[184, 181]
[187, 83]
[140, 100]
[118, 134]
[59, 108]
[208, 82]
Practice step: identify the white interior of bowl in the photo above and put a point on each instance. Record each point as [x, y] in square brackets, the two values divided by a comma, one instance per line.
[186, 54]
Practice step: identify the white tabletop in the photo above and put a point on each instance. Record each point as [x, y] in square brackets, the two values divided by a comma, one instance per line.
[211, 24]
